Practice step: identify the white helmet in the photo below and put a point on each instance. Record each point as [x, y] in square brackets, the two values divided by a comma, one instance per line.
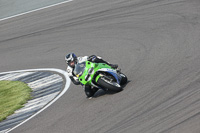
[71, 59]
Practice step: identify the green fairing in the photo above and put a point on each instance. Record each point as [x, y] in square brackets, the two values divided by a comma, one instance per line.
[97, 78]
[90, 65]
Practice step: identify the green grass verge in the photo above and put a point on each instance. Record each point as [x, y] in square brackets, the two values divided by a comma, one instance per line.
[13, 94]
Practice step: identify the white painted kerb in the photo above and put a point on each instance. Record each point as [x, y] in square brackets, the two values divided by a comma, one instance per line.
[67, 84]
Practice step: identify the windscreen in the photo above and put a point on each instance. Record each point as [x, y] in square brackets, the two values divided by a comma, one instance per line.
[79, 69]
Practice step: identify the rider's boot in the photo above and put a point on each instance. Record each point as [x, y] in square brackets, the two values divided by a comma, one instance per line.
[114, 66]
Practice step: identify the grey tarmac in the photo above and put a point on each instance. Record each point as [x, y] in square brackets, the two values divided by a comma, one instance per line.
[155, 43]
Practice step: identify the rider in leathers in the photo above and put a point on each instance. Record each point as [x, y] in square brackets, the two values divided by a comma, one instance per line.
[71, 59]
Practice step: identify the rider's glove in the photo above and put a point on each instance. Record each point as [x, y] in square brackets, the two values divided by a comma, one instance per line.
[74, 81]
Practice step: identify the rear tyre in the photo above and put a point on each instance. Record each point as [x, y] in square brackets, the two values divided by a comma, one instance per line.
[113, 86]
[124, 79]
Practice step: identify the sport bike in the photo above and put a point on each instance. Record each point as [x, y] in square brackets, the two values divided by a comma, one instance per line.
[100, 75]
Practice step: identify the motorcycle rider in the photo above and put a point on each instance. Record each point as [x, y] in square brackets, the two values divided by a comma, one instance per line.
[71, 59]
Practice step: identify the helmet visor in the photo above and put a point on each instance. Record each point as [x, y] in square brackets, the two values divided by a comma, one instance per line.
[71, 63]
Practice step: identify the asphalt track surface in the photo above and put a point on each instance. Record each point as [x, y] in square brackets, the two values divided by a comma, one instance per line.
[155, 42]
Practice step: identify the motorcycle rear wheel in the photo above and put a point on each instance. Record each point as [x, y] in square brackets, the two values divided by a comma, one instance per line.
[124, 79]
[113, 86]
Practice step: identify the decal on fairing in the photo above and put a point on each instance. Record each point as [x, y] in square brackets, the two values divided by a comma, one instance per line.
[112, 72]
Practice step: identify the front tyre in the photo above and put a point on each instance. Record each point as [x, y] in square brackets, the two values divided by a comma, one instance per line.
[113, 86]
[88, 91]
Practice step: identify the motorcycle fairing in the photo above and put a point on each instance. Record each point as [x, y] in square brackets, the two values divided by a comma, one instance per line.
[112, 72]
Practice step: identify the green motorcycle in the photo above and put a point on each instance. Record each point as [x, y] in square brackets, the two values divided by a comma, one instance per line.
[100, 75]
